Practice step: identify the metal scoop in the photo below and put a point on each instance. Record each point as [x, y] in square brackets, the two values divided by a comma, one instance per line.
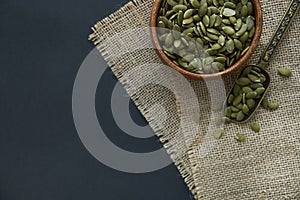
[259, 77]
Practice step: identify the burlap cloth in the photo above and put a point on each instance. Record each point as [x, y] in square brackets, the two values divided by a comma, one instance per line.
[267, 165]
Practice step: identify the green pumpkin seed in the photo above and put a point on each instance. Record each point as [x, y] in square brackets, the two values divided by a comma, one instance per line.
[205, 20]
[254, 78]
[228, 30]
[238, 44]
[202, 10]
[238, 24]
[252, 32]
[214, 10]
[180, 18]
[216, 46]
[169, 54]
[218, 66]
[260, 90]
[256, 85]
[188, 13]
[255, 127]
[244, 37]
[250, 8]
[244, 2]
[237, 100]
[245, 109]
[218, 21]
[243, 81]
[188, 20]
[234, 109]
[262, 78]
[244, 11]
[240, 137]
[211, 52]
[188, 30]
[229, 12]
[245, 50]
[265, 103]
[168, 23]
[161, 24]
[172, 2]
[233, 115]
[197, 18]
[195, 3]
[251, 95]
[200, 31]
[212, 20]
[244, 98]
[240, 116]
[213, 31]
[218, 133]
[247, 89]
[226, 21]
[202, 28]
[179, 7]
[242, 30]
[232, 20]
[273, 106]
[221, 40]
[229, 46]
[189, 57]
[228, 112]
[250, 103]
[284, 71]
[229, 5]
[240, 106]
[250, 23]
[227, 120]
[236, 90]
[216, 3]
[230, 99]
[220, 59]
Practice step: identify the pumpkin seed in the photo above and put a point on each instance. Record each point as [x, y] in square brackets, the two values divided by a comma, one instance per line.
[245, 109]
[244, 11]
[226, 21]
[247, 89]
[243, 81]
[218, 133]
[242, 30]
[255, 127]
[220, 59]
[252, 32]
[172, 2]
[221, 40]
[229, 5]
[284, 71]
[197, 18]
[228, 30]
[244, 37]
[265, 103]
[230, 99]
[251, 95]
[180, 17]
[179, 7]
[238, 24]
[216, 46]
[240, 137]
[260, 90]
[254, 78]
[250, 23]
[188, 13]
[203, 10]
[236, 90]
[244, 2]
[218, 21]
[237, 100]
[232, 20]
[188, 20]
[230, 46]
[212, 20]
[238, 44]
[195, 3]
[234, 109]
[240, 116]
[273, 106]
[205, 20]
[250, 103]
[250, 8]
[229, 12]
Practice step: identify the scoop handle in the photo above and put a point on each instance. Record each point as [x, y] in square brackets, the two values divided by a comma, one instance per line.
[280, 30]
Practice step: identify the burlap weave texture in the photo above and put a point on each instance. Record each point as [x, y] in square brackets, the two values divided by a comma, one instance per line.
[267, 165]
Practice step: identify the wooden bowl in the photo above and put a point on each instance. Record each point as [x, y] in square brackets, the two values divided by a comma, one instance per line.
[238, 64]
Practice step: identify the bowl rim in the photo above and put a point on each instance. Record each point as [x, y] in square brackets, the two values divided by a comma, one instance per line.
[238, 64]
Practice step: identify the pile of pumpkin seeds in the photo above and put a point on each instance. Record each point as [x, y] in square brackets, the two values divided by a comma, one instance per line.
[246, 94]
[222, 28]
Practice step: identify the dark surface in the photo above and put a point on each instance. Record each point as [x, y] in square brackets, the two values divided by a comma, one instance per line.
[42, 46]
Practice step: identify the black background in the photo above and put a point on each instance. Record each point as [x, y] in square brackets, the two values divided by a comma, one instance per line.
[42, 45]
